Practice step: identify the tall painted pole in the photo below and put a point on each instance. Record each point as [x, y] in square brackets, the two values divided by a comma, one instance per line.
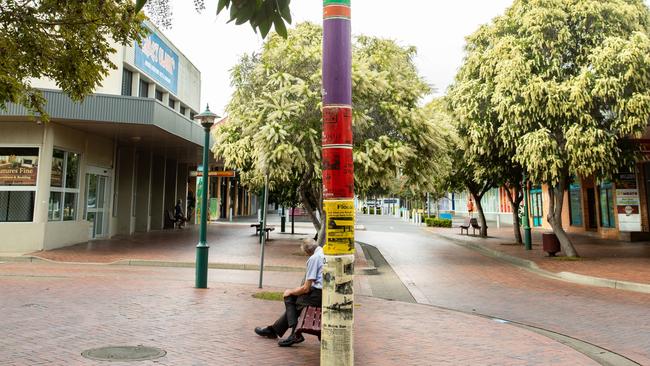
[338, 186]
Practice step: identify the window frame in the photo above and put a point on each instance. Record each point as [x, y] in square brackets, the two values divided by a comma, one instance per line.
[25, 188]
[127, 86]
[63, 190]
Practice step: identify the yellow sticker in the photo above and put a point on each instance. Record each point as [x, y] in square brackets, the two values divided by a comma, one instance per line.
[340, 227]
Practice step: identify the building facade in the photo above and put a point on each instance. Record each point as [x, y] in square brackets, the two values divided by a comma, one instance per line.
[114, 164]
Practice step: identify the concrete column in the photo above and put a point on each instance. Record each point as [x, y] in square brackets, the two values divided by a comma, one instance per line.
[165, 100]
[135, 84]
[228, 198]
[170, 184]
[219, 193]
[126, 181]
[143, 189]
[152, 90]
[236, 210]
[157, 193]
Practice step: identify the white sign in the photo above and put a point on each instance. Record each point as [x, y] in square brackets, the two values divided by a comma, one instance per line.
[627, 208]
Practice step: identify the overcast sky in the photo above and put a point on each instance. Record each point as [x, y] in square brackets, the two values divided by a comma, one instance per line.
[437, 28]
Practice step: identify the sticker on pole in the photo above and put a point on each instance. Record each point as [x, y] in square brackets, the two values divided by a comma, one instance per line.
[339, 231]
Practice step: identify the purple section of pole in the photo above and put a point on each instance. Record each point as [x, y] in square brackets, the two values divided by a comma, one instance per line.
[337, 61]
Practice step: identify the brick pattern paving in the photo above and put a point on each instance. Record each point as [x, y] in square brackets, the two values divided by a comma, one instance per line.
[51, 313]
[599, 257]
[446, 274]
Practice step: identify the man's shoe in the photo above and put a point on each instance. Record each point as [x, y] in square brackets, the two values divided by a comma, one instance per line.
[291, 340]
[266, 332]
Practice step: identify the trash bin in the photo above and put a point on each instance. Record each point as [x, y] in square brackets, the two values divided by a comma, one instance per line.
[550, 244]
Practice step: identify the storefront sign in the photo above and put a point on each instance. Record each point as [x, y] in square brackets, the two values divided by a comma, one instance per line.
[156, 59]
[225, 173]
[628, 203]
[339, 236]
[338, 173]
[18, 166]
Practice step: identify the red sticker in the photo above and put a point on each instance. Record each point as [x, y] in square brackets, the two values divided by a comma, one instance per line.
[337, 126]
[338, 173]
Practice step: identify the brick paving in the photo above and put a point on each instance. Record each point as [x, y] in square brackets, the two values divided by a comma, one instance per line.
[603, 258]
[439, 272]
[51, 313]
[229, 243]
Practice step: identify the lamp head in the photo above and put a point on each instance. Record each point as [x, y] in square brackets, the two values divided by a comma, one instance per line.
[206, 118]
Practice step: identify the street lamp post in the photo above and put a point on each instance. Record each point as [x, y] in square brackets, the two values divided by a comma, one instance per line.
[527, 235]
[206, 119]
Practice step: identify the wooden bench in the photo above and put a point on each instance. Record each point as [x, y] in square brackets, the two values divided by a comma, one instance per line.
[309, 321]
[475, 226]
[175, 221]
[258, 227]
[465, 226]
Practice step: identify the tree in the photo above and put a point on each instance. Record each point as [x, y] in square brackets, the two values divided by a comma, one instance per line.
[260, 14]
[275, 120]
[571, 85]
[471, 101]
[66, 41]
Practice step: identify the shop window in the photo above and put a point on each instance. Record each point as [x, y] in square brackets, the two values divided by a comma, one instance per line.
[127, 80]
[607, 206]
[536, 206]
[144, 89]
[64, 183]
[575, 204]
[18, 173]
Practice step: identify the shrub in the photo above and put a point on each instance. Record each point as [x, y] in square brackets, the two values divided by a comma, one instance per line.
[436, 222]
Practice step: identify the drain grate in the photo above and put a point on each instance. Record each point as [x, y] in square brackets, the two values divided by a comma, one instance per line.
[124, 353]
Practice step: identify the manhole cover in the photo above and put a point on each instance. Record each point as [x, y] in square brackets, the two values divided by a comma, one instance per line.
[124, 353]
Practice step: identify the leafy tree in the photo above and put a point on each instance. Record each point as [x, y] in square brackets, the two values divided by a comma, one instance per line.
[571, 83]
[260, 14]
[471, 101]
[275, 118]
[66, 41]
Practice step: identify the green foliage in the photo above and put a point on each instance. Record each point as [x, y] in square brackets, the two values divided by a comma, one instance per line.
[275, 122]
[260, 14]
[436, 222]
[69, 42]
[562, 84]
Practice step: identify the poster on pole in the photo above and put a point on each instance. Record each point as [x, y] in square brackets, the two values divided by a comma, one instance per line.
[339, 232]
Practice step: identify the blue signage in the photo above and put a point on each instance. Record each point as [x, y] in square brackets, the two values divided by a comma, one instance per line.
[156, 59]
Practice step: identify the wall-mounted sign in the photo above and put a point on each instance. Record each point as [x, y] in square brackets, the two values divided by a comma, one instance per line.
[628, 203]
[156, 59]
[220, 173]
[18, 166]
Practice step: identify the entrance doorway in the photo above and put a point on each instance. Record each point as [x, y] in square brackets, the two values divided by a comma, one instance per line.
[97, 210]
[591, 208]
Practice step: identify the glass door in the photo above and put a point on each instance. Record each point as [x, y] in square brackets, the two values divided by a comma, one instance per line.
[96, 204]
[536, 206]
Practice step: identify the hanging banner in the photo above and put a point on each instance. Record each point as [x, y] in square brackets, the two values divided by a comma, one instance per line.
[338, 173]
[339, 232]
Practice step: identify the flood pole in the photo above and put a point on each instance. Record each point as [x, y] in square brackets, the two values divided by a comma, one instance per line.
[338, 186]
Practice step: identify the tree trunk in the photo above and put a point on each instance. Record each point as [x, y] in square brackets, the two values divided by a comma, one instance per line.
[481, 215]
[554, 217]
[306, 202]
[514, 206]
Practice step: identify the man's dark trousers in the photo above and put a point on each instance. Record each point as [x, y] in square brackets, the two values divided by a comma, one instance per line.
[293, 306]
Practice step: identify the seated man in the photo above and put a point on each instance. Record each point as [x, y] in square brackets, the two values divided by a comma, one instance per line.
[178, 214]
[309, 294]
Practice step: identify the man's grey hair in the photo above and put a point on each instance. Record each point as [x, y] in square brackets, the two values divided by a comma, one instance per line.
[309, 246]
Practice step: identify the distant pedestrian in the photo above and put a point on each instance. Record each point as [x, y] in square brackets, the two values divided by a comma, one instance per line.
[309, 294]
[178, 214]
[191, 203]
[470, 206]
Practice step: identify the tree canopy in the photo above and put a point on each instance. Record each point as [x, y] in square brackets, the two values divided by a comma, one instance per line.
[68, 42]
[274, 118]
[563, 84]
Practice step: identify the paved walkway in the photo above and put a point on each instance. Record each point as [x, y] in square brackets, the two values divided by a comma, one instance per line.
[439, 272]
[623, 261]
[56, 311]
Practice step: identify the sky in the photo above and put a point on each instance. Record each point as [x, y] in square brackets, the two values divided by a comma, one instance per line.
[437, 28]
